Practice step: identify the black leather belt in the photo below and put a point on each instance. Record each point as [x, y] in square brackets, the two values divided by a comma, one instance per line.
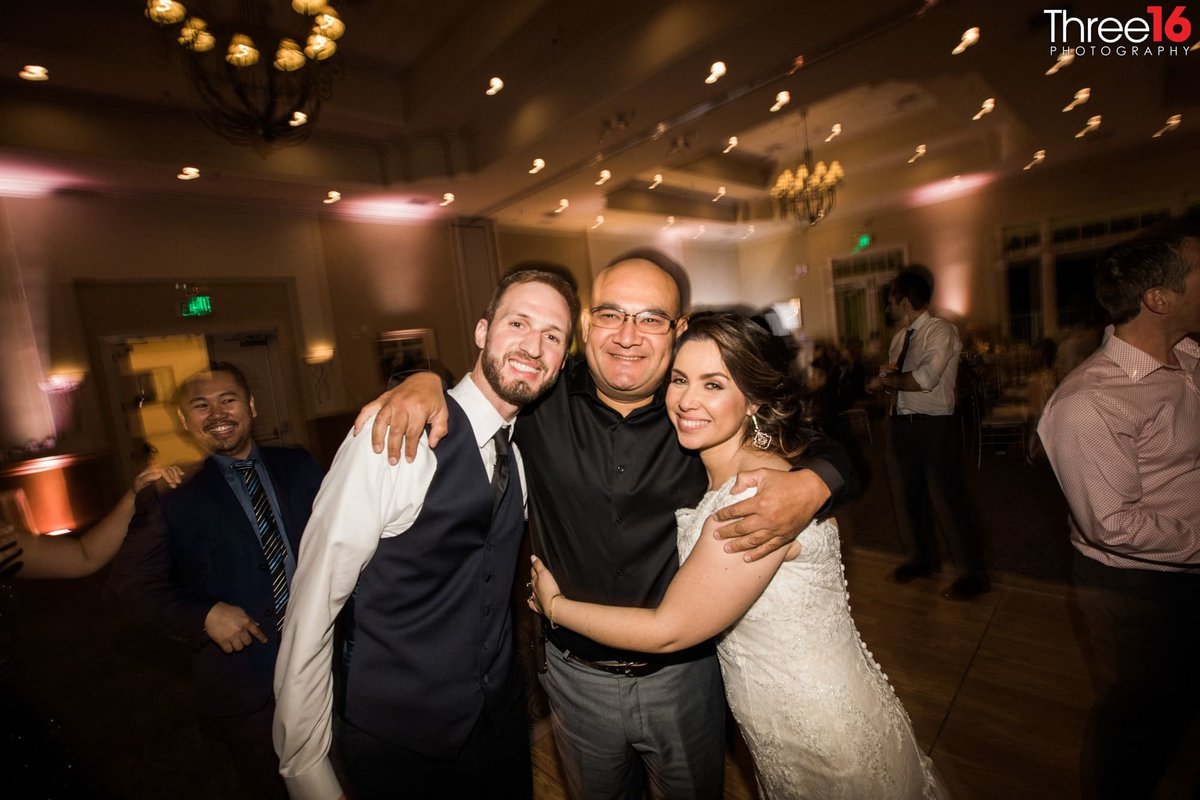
[630, 669]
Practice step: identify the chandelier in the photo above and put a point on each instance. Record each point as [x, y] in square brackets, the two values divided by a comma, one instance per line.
[810, 193]
[250, 98]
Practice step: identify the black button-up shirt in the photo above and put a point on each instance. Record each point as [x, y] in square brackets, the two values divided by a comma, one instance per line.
[604, 490]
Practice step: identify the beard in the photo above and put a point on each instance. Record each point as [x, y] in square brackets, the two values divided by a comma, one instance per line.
[516, 392]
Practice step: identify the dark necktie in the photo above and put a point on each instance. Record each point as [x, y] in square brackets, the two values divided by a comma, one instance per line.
[908, 334]
[268, 536]
[500, 473]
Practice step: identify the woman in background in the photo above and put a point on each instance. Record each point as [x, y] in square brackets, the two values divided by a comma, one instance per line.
[815, 709]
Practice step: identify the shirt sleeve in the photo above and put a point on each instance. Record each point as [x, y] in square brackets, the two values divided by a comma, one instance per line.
[361, 500]
[940, 346]
[1093, 449]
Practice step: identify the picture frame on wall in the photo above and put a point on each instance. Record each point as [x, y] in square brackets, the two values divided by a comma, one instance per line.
[405, 351]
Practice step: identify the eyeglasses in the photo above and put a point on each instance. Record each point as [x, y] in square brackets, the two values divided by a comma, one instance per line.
[644, 321]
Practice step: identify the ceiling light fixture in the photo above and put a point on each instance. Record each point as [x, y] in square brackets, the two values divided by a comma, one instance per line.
[1081, 97]
[494, 87]
[188, 174]
[919, 154]
[781, 100]
[699, 232]
[715, 72]
[657, 181]
[599, 221]
[809, 194]
[670, 222]
[32, 72]
[563, 205]
[720, 193]
[332, 197]
[605, 177]
[248, 99]
[732, 143]
[1092, 124]
[1038, 158]
[1065, 59]
[749, 232]
[834, 133]
[1173, 122]
[970, 36]
[447, 199]
[538, 166]
[988, 106]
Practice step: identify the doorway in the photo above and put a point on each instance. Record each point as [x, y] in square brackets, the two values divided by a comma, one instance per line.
[142, 374]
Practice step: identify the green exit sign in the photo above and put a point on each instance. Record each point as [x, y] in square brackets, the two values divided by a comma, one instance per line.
[198, 305]
[862, 243]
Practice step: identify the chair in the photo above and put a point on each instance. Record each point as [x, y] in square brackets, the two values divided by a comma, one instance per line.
[995, 424]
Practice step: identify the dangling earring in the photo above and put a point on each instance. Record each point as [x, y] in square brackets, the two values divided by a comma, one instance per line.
[762, 440]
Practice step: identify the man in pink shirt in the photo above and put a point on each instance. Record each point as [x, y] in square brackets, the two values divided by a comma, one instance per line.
[1123, 435]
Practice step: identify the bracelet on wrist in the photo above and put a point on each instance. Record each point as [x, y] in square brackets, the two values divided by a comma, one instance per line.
[550, 610]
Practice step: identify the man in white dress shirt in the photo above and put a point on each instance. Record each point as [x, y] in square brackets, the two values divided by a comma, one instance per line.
[417, 693]
[924, 454]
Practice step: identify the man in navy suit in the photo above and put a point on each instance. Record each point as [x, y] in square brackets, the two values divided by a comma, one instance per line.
[210, 564]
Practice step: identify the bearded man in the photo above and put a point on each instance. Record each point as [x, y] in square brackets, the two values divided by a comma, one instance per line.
[419, 696]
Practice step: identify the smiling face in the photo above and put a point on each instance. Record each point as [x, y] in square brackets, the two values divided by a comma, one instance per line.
[524, 347]
[218, 413]
[706, 407]
[628, 365]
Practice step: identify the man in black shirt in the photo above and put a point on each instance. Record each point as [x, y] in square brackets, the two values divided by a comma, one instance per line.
[606, 474]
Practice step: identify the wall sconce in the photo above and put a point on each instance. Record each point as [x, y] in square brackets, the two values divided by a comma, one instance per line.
[657, 180]
[62, 392]
[781, 100]
[720, 193]
[733, 142]
[318, 360]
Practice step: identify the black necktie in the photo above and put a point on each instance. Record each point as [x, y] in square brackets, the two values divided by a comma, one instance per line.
[500, 473]
[268, 536]
[908, 334]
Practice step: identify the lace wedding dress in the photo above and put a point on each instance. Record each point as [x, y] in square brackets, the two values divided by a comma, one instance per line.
[815, 709]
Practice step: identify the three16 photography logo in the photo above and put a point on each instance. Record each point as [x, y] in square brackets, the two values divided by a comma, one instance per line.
[1161, 31]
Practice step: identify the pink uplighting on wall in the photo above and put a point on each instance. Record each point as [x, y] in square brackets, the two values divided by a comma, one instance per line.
[949, 188]
[388, 209]
[18, 179]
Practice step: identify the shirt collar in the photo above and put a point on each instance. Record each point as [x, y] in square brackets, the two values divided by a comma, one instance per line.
[485, 419]
[921, 320]
[1137, 364]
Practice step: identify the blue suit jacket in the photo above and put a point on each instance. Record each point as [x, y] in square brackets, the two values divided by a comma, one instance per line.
[194, 547]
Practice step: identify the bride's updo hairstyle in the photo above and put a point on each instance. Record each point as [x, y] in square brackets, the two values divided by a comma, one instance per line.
[759, 364]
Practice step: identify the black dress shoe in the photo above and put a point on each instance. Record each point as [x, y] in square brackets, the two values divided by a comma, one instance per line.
[910, 571]
[968, 587]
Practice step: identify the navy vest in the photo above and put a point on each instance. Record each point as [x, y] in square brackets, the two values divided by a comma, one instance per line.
[428, 632]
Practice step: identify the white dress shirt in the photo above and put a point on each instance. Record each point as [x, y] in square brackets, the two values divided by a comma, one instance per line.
[932, 358]
[362, 499]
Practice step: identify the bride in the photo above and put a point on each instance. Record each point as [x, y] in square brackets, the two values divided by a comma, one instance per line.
[815, 709]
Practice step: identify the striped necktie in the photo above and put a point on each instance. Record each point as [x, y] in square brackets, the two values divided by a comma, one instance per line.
[268, 536]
